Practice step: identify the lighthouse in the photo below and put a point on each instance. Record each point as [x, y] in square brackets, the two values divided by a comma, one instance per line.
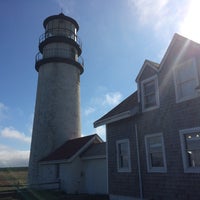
[57, 108]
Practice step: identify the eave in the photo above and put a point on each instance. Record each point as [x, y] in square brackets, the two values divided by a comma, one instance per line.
[117, 117]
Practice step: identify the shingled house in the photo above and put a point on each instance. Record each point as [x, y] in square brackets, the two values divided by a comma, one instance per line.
[153, 136]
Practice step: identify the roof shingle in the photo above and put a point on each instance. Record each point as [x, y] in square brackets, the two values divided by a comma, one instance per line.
[128, 104]
[68, 149]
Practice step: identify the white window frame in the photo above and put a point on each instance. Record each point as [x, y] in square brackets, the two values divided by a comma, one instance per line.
[187, 168]
[149, 167]
[175, 71]
[155, 79]
[124, 169]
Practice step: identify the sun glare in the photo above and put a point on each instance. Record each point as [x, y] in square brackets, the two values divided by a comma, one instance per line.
[190, 25]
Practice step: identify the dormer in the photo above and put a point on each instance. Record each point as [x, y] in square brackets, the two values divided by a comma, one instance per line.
[148, 90]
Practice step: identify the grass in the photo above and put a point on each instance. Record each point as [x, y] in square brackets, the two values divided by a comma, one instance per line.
[11, 177]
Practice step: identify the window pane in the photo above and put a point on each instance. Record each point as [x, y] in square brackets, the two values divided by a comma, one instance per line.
[155, 151]
[123, 155]
[188, 88]
[186, 72]
[149, 94]
[150, 100]
[149, 87]
[123, 162]
[186, 80]
[193, 149]
[123, 148]
[156, 140]
[156, 159]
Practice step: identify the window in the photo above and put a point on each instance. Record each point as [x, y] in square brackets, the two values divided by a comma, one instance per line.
[123, 156]
[190, 144]
[150, 96]
[186, 80]
[155, 153]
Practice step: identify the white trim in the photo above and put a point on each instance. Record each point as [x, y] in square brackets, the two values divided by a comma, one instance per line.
[177, 67]
[85, 146]
[93, 157]
[155, 169]
[129, 160]
[112, 119]
[155, 79]
[117, 117]
[182, 132]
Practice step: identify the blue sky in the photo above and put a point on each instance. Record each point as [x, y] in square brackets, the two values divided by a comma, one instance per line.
[117, 36]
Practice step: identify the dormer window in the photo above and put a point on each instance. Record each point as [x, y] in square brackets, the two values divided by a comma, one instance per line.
[186, 80]
[150, 97]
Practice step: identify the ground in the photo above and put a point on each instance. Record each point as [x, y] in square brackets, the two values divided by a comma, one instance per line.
[10, 178]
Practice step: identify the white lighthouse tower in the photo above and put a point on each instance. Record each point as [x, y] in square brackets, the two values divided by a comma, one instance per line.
[57, 108]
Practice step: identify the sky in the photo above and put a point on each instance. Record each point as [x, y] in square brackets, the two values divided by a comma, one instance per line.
[117, 37]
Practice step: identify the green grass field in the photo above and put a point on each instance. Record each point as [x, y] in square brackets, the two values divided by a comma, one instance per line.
[11, 177]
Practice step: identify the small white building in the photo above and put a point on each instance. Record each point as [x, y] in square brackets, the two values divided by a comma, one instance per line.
[79, 166]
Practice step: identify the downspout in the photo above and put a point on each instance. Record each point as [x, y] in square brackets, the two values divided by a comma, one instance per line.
[107, 161]
[138, 162]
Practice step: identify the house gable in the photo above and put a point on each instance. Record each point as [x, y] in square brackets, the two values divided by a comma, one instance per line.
[179, 49]
[149, 68]
[95, 151]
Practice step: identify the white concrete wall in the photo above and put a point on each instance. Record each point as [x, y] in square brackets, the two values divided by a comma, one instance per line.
[88, 176]
[95, 176]
[70, 176]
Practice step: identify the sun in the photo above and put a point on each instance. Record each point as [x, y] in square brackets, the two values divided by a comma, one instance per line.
[190, 24]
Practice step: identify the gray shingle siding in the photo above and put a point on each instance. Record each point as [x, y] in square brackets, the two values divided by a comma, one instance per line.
[122, 183]
[168, 119]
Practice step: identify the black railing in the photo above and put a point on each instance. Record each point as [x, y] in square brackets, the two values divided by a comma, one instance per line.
[64, 32]
[59, 53]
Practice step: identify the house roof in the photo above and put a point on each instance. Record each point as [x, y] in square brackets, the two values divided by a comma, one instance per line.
[95, 150]
[178, 39]
[126, 108]
[71, 148]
